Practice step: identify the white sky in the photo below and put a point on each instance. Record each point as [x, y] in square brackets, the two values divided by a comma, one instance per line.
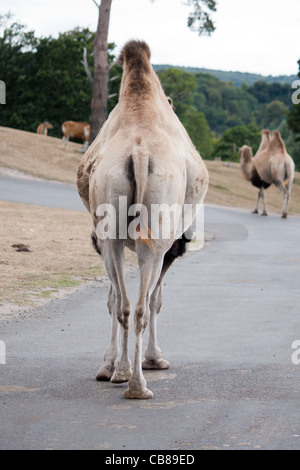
[258, 36]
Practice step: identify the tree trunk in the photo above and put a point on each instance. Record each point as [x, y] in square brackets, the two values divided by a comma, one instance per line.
[101, 70]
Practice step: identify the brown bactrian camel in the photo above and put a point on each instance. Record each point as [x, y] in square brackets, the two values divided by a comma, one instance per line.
[142, 157]
[271, 165]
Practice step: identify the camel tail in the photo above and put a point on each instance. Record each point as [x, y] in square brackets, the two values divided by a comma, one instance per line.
[289, 174]
[141, 161]
[141, 166]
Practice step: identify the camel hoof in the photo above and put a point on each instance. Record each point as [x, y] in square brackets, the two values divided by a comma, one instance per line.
[121, 377]
[255, 211]
[284, 215]
[155, 365]
[135, 394]
[105, 373]
[264, 214]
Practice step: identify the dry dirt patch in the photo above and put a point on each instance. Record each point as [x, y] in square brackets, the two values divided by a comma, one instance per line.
[39, 155]
[61, 256]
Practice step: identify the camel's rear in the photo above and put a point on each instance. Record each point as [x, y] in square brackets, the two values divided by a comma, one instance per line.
[141, 162]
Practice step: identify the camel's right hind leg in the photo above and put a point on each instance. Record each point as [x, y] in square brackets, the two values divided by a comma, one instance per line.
[286, 198]
[153, 356]
[150, 263]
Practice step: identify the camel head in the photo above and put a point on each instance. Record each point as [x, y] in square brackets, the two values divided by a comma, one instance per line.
[246, 154]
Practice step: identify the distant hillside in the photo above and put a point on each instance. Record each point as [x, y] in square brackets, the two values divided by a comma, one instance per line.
[238, 78]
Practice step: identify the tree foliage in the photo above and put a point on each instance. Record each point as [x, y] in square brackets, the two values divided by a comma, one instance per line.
[45, 79]
[200, 19]
[234, 138]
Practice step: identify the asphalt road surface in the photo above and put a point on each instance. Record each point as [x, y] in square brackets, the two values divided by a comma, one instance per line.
[229, 319]
[42, 193]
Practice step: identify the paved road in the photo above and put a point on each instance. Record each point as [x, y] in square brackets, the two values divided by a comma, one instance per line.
[42, 193]
[230, 316]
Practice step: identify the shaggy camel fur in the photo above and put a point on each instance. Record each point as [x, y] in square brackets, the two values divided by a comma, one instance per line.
[143, 155]
[271, 165]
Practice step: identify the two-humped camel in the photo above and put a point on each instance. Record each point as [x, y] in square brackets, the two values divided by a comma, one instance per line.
[143, 154]
[271, 165]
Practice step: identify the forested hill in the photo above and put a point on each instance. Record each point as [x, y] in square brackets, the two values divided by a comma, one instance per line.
[237, 78]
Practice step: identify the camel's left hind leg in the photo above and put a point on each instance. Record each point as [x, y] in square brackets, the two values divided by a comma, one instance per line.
[108, 366]
[113, 256]
[255, 210]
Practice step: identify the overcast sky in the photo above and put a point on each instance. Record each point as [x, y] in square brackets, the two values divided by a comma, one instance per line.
[258, 36]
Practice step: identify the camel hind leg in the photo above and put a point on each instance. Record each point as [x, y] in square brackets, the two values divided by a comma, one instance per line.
[113, 257]
[150, 264]
[153, 356]
[255, 210]
[286, 198]
[263, 196]
[108, 366]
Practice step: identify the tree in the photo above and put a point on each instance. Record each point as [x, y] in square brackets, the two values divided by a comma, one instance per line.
[199, 20]
[181, 87]
[44, 77]
[275, 111]
[101, 70]
[228, 146]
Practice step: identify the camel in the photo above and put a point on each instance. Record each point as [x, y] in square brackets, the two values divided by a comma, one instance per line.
[43, 128]
[250, 173]
[142, 155]
[271, 165]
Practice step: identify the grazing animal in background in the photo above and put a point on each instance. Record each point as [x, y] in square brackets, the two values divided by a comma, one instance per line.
[76, 130]
[271, 165]
[43, 128]
[144, 155]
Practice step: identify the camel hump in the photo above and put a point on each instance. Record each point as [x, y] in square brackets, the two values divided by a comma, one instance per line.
[277, 143]
[134, 53]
